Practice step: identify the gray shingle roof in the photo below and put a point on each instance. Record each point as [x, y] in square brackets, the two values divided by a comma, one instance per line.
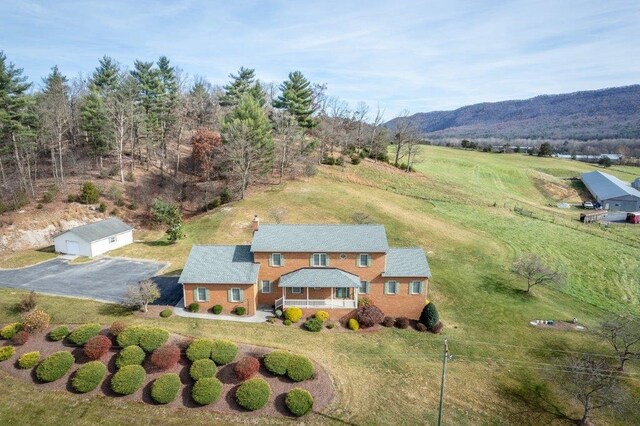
[99, 230]
[320, 238]
[407, 262]
[604, 186]
[319, 278]
[220, 265]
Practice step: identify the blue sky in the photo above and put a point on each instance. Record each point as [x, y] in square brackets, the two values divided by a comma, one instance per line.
[400, 55]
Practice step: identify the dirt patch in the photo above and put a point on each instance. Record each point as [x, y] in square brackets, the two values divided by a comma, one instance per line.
[556, 191]
[320, 386]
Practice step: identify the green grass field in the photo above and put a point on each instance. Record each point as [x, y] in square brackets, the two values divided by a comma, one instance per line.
[459, 208]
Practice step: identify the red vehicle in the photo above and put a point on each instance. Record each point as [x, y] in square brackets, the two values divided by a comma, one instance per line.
[633, 217]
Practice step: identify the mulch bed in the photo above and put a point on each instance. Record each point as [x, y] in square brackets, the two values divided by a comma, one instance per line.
[320, 386]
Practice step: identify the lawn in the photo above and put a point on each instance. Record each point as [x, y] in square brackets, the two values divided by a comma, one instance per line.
[459, 208]
[26, 257]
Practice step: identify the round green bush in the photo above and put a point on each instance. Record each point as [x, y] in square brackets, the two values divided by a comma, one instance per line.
[59, 333]
[54, 366]
[240, 310]
[299, 401]
[131, 336]
[287, 322]
[153, 338]
[199, 349]
[131, 355]
[300, 368]
[253, 394]
[202, 368]
[207, 390]
[29, 360]
[193, 307]
[277, 362]
[89, 376]
[217, 309]
[165, 388]
[128, 379]
[313, 324]
[7, 352]
[223, 351]
[8, 331]
[293, 314]
[166, 313]
[82, 334]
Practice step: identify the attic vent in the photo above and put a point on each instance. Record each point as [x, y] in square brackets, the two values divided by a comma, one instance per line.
[343, 256]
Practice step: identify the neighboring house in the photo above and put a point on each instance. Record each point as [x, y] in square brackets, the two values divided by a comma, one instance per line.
[94, 238]
[328, 267]
[611, 192]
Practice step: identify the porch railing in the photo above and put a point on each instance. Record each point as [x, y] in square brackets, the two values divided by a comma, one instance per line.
[316, 303]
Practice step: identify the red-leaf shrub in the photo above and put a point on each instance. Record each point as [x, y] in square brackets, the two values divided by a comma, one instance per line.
[437, 328]
[246, 367]
[97, 346]
[20, 338]
[402, 322]
[369, 315]
[117, 327]
[166, 356]
[421, 327]
[389, 321]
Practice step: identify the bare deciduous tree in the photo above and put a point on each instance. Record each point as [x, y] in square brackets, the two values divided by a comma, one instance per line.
[278, 214]
[623, 334]
[141, 295]
[532, 268]
[245, 158]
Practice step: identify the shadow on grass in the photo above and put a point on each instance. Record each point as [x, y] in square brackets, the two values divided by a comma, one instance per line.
[114, 309]
[159, 243]
[48, 249]
[496, 284]
[173, 273]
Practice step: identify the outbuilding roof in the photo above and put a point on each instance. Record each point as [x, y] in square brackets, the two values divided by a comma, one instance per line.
[319, 278]
[220, 265]
[605, 186]
[99, 230]
[320, 238]
[406, 262]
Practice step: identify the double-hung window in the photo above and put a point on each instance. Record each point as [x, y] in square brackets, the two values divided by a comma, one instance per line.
[319, 259]
[391, 287]
[265, 286]
[276, 259]
[112, 239]
[235, 295]
[201, 294]
[364, 260]
[415, 287]
[296, 290]
[364, 287]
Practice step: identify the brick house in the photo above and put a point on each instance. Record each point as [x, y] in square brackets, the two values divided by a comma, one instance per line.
[313, 267]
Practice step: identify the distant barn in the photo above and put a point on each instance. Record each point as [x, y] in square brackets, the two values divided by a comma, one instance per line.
[611, 192]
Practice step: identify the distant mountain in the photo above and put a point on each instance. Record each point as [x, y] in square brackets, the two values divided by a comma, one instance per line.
[596, 114]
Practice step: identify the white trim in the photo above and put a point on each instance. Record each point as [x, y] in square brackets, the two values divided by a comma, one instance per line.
[272, 263]
[359, 260]
[233, 300]
[262, 286]
[386, 287]
[366, 287]
[296, 288]
[411, 283]
[320, 255]
[197, 292]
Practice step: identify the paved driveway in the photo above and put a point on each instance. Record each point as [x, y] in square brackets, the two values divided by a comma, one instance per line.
[104, 279]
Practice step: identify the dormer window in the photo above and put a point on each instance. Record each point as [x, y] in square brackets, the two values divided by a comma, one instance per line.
[276, 259]
[319, 259]
[364, 260]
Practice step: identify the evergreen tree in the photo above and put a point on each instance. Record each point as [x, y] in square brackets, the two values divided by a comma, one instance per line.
[95, 123]
[168, 102]
[242, 84]
[200, 105]
[250, 114]
[297, 98]
[150, 98]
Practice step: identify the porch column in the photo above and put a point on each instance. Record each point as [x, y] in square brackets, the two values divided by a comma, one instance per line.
[307, 297]
[355, 295]
[284, 296]
[332, 298]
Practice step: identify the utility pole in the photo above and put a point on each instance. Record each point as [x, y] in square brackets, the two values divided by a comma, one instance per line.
[446, 356]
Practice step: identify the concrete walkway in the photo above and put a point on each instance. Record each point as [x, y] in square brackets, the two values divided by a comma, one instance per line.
[260, 316]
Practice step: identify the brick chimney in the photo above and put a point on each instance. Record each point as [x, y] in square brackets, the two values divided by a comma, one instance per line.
[255, 224]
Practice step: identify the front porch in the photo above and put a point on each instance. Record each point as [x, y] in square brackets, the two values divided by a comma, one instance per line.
[337, 289]
[330, 303]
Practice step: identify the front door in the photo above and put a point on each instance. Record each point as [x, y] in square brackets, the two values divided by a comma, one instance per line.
[342, 293]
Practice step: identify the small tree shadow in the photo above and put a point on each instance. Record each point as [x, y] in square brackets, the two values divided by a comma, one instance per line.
[496, 284]
[160, 243]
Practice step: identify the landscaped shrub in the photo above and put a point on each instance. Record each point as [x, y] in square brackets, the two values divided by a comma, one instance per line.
[166, 357]
[20, 338]
[165, 388]
[421, 327]
[7, 352]
[59, 333]
[131, 336]
[29, 360]
[217, 309]
[89, 376]
[364, 301]
[313, 324]
[369, 315]
[277, 362]
[253, 394]
[54, 366]
[28, 302]
[437, 328]
[293, 314]
[131, 355]
[330, 325]
[202, 369]
[353, 324]
[194, 307]
[153, 338]
[299, 401]
[278, 313]
[117, 327]
[402, 322]
[8, 331]
[246, 367]
[200, 349]
[166, 313]
[429, 315]
[128, 379]
[97, 346]
[223, 351]
[322, 316]
[240, 310]
[82, 334]
[287, 322]
[207, 390]
[299, 368]
[389, 321]
[36, 321]
[90, 193]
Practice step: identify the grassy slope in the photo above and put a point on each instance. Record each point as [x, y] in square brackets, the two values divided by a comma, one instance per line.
[394, 374]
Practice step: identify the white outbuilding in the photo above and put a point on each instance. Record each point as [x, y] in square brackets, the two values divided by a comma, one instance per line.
[94, 238]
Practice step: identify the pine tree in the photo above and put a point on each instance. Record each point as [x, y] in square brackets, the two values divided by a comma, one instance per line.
[95, 123]
[150, 97]
[297, 98]
[54, 113]
[168, 102]
[242, 84]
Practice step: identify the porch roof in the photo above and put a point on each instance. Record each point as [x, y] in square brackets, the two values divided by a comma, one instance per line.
[319, 278]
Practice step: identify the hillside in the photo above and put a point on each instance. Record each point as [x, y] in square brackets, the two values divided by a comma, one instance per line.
[596, 114]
